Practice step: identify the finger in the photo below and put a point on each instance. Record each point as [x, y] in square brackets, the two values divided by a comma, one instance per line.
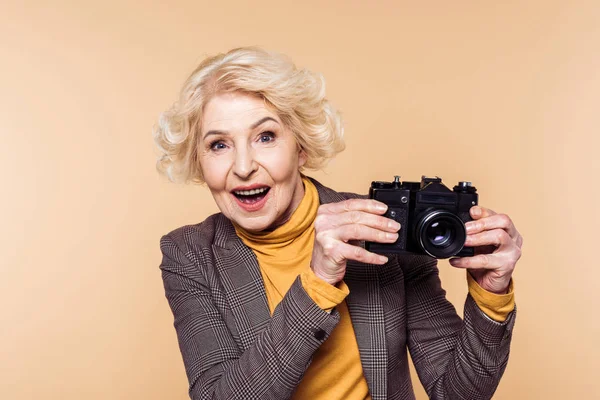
[520, 241]
[356, 253]
[494, 261]
[346, 233]
[496, 221]
[366, 205]
[478, 212]
[481, 261]
[363, 218]
[495, 237]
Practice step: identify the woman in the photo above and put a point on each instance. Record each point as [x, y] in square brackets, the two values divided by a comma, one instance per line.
[272, 297]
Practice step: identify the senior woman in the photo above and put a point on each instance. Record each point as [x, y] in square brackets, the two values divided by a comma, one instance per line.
[273, 297]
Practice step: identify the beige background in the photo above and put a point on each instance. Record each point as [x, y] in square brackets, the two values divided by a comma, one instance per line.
[504, 95]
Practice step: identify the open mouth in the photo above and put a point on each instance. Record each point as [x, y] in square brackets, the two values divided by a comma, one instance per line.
[251, 196]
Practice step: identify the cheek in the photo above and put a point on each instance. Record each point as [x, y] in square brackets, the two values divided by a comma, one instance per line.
[282, 165]
[284, 172]
[214, 172]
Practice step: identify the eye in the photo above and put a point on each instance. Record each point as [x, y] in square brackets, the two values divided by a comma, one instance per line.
[266, 137]
[217, 145]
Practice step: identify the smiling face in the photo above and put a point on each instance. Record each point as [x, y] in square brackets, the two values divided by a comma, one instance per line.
[250, 161]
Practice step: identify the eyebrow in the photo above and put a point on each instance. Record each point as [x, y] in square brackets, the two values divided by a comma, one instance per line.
[253, 126]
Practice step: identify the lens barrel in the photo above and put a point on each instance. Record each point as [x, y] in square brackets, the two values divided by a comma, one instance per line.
[440, 233]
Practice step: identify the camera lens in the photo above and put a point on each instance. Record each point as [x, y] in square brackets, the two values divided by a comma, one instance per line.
[440, 233]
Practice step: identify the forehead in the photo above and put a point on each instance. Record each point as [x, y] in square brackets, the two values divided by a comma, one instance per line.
[230, 111]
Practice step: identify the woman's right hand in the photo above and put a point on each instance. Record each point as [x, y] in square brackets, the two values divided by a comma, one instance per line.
[338, 224]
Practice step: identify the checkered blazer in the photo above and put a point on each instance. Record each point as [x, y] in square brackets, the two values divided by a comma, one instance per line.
[234, 349]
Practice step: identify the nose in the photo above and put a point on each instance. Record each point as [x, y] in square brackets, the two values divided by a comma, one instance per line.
[245, 164]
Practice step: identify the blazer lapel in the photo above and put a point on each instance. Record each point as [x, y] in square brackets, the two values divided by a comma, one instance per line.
[241, 278]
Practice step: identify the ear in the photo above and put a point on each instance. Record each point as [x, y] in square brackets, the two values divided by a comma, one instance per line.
[302, 157]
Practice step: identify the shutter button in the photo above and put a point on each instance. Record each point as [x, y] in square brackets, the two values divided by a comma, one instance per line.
[319, 334]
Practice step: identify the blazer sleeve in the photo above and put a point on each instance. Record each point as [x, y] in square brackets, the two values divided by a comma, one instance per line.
[454, 358]
[270, 368]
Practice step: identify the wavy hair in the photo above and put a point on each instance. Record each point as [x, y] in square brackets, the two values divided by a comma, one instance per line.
[296, 95]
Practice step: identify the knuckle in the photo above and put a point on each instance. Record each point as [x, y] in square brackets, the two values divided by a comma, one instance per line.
[321, 237]
[320, 221]
[482, 225]
[354, 217]
[382, 222]
[354, 231]
[328, 247]
[348, 204]
[501, 236]
[517, 254]
[485, 260]
[322, 209]
[505, 220]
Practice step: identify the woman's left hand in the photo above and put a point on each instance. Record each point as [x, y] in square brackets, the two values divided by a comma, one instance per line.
[497, 249]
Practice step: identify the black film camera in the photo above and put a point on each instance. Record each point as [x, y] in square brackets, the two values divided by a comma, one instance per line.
[432, 216]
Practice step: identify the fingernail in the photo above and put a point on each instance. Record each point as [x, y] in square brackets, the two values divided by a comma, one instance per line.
[476, 211]
[391, 236]
[383, 259]
[393, 225]
[381, 207]
[470, 227]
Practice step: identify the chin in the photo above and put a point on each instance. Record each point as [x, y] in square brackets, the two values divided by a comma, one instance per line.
[255, 224]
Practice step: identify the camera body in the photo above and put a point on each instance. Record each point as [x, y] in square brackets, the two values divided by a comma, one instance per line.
[432, 216]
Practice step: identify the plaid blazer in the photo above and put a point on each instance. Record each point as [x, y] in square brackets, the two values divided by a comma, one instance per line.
[233, 348]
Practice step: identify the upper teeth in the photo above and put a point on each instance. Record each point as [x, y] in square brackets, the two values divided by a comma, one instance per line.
[250, 192]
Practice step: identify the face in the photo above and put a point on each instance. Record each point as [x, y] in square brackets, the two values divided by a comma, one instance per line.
[250, 161]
